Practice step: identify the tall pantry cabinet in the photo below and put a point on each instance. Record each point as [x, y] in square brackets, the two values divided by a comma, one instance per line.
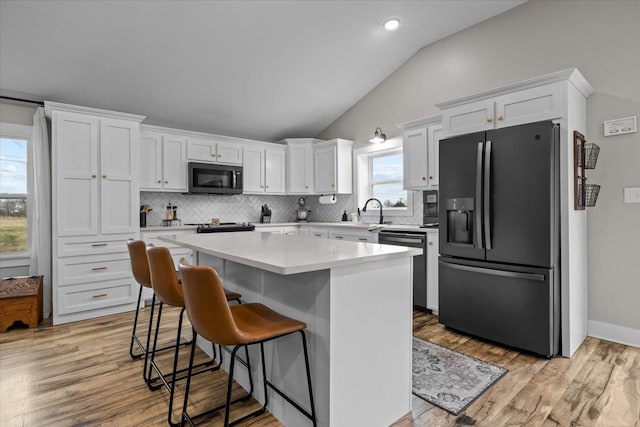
[95, 198]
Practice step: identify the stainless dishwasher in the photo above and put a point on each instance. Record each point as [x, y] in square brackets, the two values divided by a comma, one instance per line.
[413, 240]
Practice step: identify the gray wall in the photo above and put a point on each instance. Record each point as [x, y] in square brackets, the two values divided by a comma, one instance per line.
[602, 39]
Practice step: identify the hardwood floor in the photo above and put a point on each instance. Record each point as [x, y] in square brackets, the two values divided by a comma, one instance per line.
[81, 374]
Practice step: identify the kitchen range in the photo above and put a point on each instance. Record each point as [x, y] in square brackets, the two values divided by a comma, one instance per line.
[223, 227]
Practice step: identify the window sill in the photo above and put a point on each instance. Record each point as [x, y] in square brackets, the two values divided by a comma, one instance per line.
[14, 260]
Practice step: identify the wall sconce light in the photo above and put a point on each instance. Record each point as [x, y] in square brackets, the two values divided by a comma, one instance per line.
[378, 136]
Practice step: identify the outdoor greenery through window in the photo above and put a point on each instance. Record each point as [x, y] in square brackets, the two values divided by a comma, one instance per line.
[13, 195]
[385, 180]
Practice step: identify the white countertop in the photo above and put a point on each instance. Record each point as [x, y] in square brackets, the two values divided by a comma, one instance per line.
[354, 226]
[288, 254]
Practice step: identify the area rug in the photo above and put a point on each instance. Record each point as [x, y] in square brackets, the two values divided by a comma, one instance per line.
[449, 379]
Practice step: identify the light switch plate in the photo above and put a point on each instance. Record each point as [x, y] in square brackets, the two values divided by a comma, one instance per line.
[621, 126]
[632, 195]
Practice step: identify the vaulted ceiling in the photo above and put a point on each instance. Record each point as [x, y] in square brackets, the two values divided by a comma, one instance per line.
[258, 69]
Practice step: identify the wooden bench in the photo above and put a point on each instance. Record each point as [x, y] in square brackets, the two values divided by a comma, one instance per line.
[20, 300]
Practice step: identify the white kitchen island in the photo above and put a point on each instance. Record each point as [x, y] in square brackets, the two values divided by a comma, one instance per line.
[356, 299]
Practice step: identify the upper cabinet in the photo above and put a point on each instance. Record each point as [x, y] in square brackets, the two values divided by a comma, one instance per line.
[163, 160]
[300, 165]
[333, 166]
[420, 140]
[499, 109]
[209, 150]
[94, 169]
[264, 169]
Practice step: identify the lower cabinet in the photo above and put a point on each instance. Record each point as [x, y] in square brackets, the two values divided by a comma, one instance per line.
[432, 271]
[353, 235]
[92, 277]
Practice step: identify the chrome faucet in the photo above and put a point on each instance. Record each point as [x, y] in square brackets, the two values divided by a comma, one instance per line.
[364, 209]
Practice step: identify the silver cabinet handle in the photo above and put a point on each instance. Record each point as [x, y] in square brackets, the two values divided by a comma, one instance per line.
[99, 244]
[363, 239]
[99, 268]
[339, 237]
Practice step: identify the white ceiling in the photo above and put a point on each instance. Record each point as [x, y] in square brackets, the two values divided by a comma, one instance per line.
[257, 69]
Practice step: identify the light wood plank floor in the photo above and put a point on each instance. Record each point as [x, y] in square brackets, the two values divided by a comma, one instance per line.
[81, 374]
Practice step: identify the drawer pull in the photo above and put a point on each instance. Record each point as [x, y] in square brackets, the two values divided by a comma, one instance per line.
[100, 296]
[99, 244]
[99, 268]
[363, 239]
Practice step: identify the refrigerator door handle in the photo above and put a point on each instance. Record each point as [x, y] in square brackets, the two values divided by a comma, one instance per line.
[478, 206]
[493, 272]
[487, 194]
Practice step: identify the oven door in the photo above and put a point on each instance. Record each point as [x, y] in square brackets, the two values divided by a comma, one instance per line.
[205, 178]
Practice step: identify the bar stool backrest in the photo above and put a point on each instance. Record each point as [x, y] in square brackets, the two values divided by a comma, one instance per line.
[139, 262]
[207, 305]
[163, 276]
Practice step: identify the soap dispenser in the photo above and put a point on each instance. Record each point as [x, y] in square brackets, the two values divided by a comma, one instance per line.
[344, 216]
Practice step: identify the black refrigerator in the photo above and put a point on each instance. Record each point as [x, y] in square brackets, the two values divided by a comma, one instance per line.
[499, 266]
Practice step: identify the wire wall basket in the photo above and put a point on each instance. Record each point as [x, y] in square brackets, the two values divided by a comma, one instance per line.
[591, 152]
[588, 195]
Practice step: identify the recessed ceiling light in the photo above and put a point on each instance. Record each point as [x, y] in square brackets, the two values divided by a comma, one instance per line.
[391, 24]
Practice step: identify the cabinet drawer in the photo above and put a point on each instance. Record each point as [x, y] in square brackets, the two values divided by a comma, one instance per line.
[75, 270]
[72, 299]
[322, 233]
[93, 245]
[354, 237]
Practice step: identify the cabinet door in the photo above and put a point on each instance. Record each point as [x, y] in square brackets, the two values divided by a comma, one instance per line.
[119, 192]
[472, 117]
[324, 165]
[300, 169]
[150, 161]
[529, 105]
[253, 170]
[75, 162]
[275, 171]
[414, 147]
[201, 149]
[432, 271]
[229, 153]
[174, 163]
[435, 134]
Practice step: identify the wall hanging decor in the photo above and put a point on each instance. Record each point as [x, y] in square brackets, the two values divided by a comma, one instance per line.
[585, 156]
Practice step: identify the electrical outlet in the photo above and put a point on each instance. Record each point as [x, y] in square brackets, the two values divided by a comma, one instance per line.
[632, 195]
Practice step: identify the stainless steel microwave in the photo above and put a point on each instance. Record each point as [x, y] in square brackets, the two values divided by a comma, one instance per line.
[207, 178]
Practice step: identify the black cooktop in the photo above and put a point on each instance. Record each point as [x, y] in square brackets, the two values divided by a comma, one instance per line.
[224, 227]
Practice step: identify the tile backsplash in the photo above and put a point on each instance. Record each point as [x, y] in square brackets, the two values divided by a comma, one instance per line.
[246, 208]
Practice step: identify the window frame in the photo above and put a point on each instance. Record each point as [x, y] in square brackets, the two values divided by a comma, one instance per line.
[363, 177]
[24, 132]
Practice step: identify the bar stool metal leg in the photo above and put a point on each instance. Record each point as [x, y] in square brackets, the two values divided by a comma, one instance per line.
[134, 338]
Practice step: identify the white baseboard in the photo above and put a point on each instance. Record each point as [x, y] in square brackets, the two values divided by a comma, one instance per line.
[615, 333]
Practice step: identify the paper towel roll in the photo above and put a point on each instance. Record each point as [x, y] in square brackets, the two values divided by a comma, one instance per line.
[327, 200]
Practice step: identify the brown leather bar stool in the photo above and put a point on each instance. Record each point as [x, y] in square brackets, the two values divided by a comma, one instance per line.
[140, 269]
[238, 326]
[167, 287]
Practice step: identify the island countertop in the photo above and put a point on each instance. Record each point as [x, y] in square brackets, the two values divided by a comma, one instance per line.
[288, 254]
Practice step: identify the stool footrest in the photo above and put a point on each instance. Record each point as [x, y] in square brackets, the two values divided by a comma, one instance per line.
[288, 399]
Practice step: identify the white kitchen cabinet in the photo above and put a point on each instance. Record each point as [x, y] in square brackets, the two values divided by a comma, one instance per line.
[304, 231]
[163, 161]
[353, 235]
[435, 134]
[319, 232]
[95, 199]
[420, 139]
[501, 108]
[264, 169]
[432, 271]
[209, 150]
[333, 167]
[300, 165]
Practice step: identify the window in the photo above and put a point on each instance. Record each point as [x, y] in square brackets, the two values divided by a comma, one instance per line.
[379, 175]
[13, 190]
[385, 179]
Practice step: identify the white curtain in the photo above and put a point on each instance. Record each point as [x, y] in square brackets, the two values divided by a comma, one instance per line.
[39, 206]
